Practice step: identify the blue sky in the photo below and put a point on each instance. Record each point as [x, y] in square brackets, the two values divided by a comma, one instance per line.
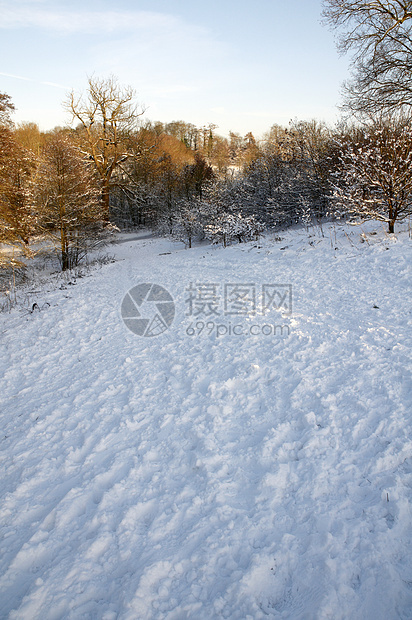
[243, 65]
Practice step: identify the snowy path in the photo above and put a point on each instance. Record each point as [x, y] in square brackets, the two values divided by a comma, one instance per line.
[207, 476]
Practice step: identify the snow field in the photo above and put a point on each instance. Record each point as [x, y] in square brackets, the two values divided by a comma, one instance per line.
[202, 477]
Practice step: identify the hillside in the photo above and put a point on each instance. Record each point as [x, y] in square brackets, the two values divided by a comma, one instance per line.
[249, 462]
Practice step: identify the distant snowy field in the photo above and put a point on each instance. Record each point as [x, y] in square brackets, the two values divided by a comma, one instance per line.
[204, 474]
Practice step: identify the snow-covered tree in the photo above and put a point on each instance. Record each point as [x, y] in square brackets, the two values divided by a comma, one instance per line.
[66, 195]
[6, 109]
[17, 222]
[187, 221]
[314, 141]
[290, 168]
[375, 176]
[107, 114]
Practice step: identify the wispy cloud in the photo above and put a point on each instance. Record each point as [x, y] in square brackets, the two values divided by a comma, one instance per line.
[70, 22]
[159, 38]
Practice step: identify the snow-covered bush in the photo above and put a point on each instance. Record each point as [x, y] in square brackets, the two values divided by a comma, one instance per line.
[229, 226]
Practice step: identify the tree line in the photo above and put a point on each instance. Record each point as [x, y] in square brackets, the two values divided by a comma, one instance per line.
[112, 168]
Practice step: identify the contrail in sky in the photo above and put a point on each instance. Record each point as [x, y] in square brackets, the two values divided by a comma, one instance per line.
[26, 79]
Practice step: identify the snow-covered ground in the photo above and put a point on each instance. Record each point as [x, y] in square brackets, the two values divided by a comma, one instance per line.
[241, 464]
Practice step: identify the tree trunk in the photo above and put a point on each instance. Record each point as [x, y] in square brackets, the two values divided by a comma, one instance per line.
[106, 200]
[391, 226]
[65, 260]
[64, 246]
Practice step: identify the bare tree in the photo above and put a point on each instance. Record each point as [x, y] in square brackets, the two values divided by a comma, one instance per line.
[106, 114]
[29, 136]
[197, 175]
[379, 34]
